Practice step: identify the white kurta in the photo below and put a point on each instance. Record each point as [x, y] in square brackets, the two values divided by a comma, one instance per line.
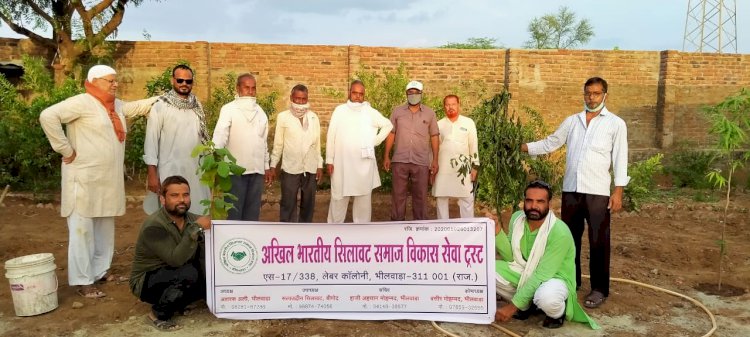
[171, 135]
[93, 184]
[348, 132]
[456, 138]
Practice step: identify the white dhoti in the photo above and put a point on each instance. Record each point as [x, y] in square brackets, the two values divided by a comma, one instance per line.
[91, 245]
[465, 206]
[361, 209]
[550, 297]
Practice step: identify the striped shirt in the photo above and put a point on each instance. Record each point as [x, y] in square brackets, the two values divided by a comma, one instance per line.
[591, 152]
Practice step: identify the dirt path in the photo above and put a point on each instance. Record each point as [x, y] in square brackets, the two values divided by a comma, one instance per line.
[669, 244]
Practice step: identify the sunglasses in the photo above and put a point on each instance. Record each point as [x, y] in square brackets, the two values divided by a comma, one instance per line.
[187, 81]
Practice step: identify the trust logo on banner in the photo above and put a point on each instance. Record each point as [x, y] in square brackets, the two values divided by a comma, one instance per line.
[238, 256]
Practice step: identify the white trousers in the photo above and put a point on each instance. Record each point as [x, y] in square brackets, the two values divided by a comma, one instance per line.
[465, 206]
[91, 244]
[361, 209]
[550, 296]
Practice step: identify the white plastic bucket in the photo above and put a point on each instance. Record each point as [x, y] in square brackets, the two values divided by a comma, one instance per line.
[33, 283]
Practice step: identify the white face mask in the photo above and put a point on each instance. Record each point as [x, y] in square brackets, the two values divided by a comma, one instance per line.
[414, 99]
[597, 108]
[356, 106]
[299, 108]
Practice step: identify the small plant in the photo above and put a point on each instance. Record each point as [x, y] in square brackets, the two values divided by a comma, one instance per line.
[688, 167]
[216, 168]
[642, 183]
[730, 122]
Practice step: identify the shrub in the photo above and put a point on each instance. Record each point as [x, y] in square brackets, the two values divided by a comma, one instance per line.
[502, 177]
[27, 161]
[688, 168]
[642, 182]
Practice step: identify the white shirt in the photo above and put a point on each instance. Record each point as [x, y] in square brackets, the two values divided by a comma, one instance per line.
[242, 129]
[297, 148]
[591, 152]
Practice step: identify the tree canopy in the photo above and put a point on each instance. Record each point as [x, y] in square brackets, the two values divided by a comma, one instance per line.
[559, 31]
[78, 26]
[474, 43]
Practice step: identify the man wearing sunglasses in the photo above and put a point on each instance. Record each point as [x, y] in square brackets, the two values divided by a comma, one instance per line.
[596, 140]
[175, 126]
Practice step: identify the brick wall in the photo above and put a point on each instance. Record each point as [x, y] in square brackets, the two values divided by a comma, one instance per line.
[659, 94]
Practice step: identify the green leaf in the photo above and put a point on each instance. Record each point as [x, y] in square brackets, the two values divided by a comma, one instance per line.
[223, 169]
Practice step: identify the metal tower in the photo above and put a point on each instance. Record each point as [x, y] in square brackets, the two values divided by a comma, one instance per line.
[711, 26]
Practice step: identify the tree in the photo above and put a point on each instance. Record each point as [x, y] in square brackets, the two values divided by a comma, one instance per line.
[78, 26]
[473, 43]
[559, 31]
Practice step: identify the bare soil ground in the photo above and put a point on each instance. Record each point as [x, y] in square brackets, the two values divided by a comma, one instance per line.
[671, 244]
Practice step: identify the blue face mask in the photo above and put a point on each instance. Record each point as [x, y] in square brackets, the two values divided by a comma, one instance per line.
[597, 108]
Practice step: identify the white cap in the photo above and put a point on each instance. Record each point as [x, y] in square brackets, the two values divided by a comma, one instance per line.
[414, 85]
[99, 71]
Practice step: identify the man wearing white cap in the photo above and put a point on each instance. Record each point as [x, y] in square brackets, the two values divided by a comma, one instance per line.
[416, 137]
[92, 187]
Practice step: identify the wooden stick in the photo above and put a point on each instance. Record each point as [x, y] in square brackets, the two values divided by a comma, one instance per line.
[5, 192]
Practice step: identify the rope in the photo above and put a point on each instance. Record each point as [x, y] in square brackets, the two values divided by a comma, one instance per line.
[673, 293]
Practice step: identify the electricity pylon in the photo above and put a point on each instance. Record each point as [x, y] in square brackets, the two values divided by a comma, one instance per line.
[711, 26]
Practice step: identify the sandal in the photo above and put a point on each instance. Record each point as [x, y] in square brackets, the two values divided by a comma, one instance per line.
[162, 324]
[594, 299]
[112, 278]
[90, 291]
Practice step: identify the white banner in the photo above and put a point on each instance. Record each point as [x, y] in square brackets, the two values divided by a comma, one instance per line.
[440, 270]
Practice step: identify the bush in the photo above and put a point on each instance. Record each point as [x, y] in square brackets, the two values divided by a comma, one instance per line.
[688, 168]
[549, 167]
[27, 161]
[642, 183]
[502, 177]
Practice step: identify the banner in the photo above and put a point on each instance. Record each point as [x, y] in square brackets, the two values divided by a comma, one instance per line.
[440, 270]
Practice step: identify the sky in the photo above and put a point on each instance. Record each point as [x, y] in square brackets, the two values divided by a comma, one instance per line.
[623, 24]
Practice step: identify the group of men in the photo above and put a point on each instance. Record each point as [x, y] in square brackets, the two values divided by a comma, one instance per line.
[168, 267]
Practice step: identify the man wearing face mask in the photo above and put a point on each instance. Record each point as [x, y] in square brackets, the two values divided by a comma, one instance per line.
[596, 140]
[458, 137]
[354, 131]
[416, 137]
[297, 145]
[242, 129]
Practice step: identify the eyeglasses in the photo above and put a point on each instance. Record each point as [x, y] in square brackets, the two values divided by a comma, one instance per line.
[186, 80]
[110, 81]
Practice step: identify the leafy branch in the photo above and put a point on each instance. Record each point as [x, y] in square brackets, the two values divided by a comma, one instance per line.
[216, 168]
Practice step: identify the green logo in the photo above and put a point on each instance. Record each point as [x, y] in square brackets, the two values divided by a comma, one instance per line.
[238, 255]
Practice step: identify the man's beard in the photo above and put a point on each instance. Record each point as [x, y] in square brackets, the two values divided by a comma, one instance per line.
[533, 214]
[177, 211]
[183, 90]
